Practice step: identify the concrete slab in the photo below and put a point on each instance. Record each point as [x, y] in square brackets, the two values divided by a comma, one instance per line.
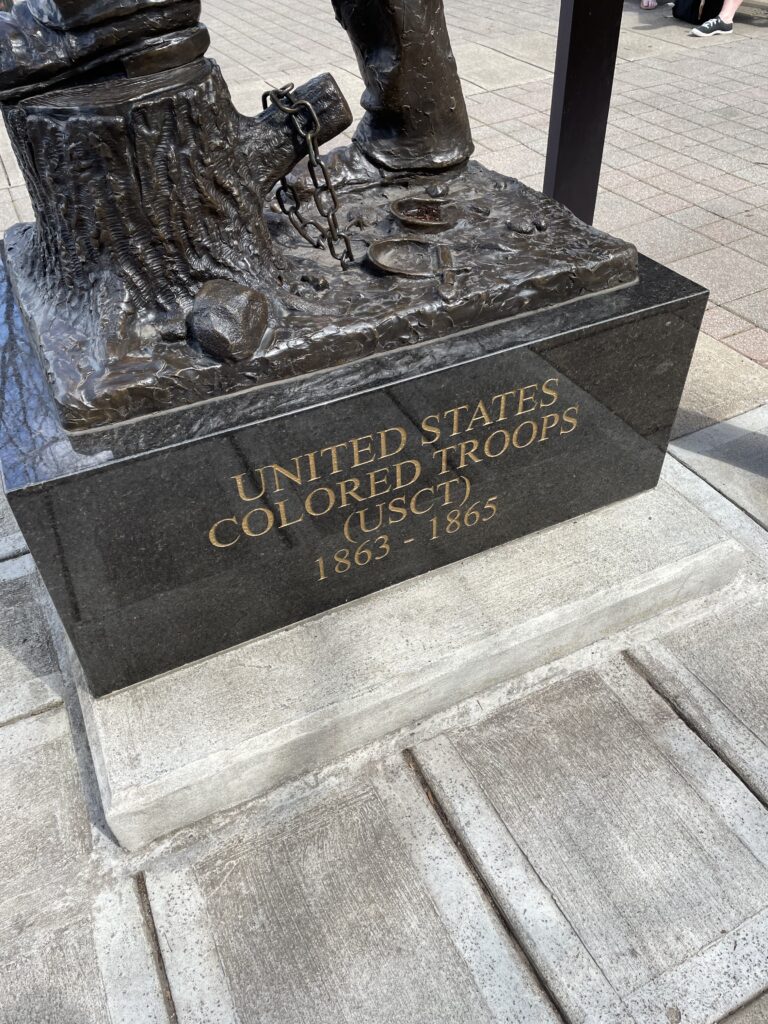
[752, 343]
[530, 46]
[729, 275]
[755, 220]
[713, 672]
[354, 907]
[492, 108]
[617, 213]
[45, 842]
[629, 862]
[74, 944]
[213, 734]
[30, 680]
[665, 240]
[733, 457]
[86, 968]
[721, 384]
[638, 45]
[718, 323]
[490, 69]
[11, 541]
[753, 245]
[741, 527]
[752, 307]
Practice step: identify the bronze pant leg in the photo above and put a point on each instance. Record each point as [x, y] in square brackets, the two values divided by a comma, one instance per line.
[416, 118]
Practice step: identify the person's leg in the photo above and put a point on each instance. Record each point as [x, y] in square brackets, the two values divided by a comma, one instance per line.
[416, 118]
[729, 9]
[722, 24]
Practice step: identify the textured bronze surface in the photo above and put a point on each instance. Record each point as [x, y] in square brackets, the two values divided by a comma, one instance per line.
[144, 190]
[416, 118]
[320, 315]
[69, 14]
[425, 213]
[152, 241]
[34, 56]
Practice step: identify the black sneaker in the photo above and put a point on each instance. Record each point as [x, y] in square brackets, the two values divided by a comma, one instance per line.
[713, 27]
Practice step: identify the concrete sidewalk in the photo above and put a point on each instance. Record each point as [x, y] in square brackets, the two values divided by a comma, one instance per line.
[584, 841]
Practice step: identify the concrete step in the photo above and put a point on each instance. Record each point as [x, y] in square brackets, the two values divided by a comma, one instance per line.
[732, 456]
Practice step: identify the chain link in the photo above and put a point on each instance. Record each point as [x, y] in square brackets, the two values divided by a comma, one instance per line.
[323, 193]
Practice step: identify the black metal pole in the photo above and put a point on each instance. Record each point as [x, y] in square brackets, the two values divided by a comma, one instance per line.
[587, 42]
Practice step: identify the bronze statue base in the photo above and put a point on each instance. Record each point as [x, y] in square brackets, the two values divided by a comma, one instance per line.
[433, 255]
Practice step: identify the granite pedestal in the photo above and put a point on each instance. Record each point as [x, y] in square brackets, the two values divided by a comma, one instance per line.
[170, 537]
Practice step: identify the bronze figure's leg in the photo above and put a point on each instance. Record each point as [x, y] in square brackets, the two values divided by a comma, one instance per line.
[415, 116]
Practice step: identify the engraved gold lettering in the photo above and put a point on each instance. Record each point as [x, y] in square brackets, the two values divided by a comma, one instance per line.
[349, 489]
[497, 443]
[480, 414]
[570, 419]
[431, 433]
[382, 546]
[213, 536]
[453, 521]
[443, 453]
[362, 516]
[398, 509]
[313, 473]
[378, 480]
[284, 517]
[278, 471]
[468, 449]
[502, 399]
[334, 449]
[269, 521]
[306, 485]
[519, 430]
[322, 492]
[241, 489]
[414, 503]
[551, 391]
[399, 467]
[551, 419]
[524, 398]
[454, 413]
[401, 435]
[358, 454]
[446, 486]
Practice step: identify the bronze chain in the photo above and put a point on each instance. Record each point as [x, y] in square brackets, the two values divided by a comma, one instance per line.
[323, 193]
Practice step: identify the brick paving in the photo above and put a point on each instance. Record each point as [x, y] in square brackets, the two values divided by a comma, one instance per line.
[685, 172]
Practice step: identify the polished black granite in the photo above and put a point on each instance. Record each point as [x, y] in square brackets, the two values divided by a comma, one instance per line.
[169, 537]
